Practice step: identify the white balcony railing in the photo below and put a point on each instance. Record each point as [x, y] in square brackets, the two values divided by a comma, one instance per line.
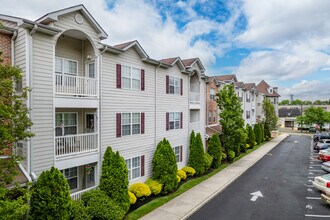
[194, 126]
[75, 144]
[195, 98]
[75, 85]
[77, 195]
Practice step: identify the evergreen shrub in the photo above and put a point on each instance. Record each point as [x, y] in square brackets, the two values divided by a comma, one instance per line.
[196, 154]
[215, 150]
[79, 211]
[231, 155]
[208, 161]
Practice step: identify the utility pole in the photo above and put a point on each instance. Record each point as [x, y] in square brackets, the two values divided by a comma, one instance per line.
[291, 98]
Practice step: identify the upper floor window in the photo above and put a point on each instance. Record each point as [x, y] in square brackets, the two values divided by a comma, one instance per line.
[129, 77]
[174, 85]
[214, 115]
[247, 97]
[90, 69]
[212, 94]
[135, 167]
[248, 114]
[210, 116]
[66, 66]
[173, 120]
[65, 124]
[130, 123]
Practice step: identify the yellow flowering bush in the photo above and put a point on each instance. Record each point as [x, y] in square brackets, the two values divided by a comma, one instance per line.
[178, 178]
[182, 174]
[189, 171]
[140, 190]
[132, 198]
[155, 186]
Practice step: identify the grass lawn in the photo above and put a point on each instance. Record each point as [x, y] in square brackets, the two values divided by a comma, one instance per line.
[150, 206]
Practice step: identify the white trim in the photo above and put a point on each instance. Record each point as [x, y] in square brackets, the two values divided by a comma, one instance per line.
[62, 70]
[140, 165]
[131, 78]
[131, 123]
[78, 177]
[63, 121]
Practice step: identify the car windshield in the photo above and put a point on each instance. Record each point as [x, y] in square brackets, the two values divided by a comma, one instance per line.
[327, 176]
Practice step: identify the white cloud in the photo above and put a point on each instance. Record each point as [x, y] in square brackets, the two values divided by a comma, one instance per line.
[307, 90]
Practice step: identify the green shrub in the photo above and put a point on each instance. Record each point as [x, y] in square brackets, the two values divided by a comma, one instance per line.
[262, 132]
[100, 206]
[182, 174]
[13, 203]
[178, 178]
[189, 171]
[257, 133]
[208, 161]
[251, 137]
[164, 166]
[231, 155]
[132, 198]
[79, 211]
[50, 198]
[155, 186]
[215, 149]
[247, 146]
[196, 154]
[140, 190]
[223, 156]
[267, 134]
[114, 178]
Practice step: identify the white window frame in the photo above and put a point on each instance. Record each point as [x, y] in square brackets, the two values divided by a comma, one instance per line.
[177, 154]
[72, 177]
[87, 68]
[131, 78]
[214, 116]
[248, 114]
[131, 123]
[63, 127]
[210, 116]
[130, 168]
[172, 115]
[212, 94]
[175, 84]
[62, 69]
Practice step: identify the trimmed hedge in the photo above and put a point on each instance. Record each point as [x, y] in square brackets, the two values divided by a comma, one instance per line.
[132, 198]
[155, 186]
[257, 133]
[196, 159]
[100, 206]
[182, 174]
[215, 149]
[189, 171]
[79, 211]
[140, 190]
[164, 166]
[114, 178]
[251, 137]
[50, 198]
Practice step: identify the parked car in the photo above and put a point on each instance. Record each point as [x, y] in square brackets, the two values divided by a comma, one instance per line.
[319, 137]
[324, 156]
[322, 144]
[326, 166]
[325, 197]
[311, 129]
[322, 182]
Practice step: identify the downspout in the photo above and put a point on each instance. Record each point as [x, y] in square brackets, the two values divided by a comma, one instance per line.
[30, 96]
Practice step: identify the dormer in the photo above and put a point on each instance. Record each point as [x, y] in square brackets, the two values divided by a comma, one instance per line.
[270, 90]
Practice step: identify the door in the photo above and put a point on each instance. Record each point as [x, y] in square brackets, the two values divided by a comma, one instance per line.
[90, 125]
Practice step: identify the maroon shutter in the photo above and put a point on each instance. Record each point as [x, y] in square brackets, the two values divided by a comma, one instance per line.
[142, 79]
[142, 165]
[118, 71]
[181, 117]
[118, 122]
[167, 121]
[181, 87]
[167, 84]
[181, 153]
[142, 123]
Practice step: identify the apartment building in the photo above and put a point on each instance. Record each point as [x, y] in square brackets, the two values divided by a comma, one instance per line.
[87, 95]
[266, 92]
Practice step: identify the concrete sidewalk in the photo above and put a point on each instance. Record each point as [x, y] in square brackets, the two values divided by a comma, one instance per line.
[190, 201]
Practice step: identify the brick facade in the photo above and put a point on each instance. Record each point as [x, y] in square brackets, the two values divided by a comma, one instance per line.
[211, 104]
[5, 48]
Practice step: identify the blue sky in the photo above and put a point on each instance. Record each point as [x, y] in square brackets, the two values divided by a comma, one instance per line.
[285, 42]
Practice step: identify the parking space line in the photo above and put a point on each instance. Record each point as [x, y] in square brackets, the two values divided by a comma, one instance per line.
[316, 170]
[317, 216]
[316, 198]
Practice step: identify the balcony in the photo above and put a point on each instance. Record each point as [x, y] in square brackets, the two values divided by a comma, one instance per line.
[194, 126]
[75, 86]
[75, 145]
[195, 100]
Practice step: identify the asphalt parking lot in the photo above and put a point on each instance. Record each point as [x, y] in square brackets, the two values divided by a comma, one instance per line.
[315, 207]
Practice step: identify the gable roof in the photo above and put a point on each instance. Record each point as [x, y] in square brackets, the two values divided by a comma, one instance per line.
[172, 61]
[249, 86]
[127, 45]
[191, 61]
[230, 77]
[53, 16]
[262, 87]
[240, 85]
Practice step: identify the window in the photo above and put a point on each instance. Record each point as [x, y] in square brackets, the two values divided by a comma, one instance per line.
[247, 97]
[134, 167]
[91, 69]
[248, 114]
[174, 120]
[212, 95]
[214, 115]
[130, 78]
[71, 175]
[65, 124]
[90, 175]
[65, 67]
[130, 123]
[210, 116]
[177, 153]
[174, 85]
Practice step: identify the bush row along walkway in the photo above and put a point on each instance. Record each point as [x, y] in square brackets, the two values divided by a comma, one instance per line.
[190, 201]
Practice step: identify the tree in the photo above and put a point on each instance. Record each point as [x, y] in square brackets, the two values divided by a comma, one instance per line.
[231, 118]
[14, 120]
[267, 134]
[296, 102]
[251, 137]
[215, 150]
[301, 121]
[284, 102]
[164, 167]
[317, 102]
[270, 116]
[316, 115]
[196, 153]
[50, 198]
[114, 178]
[257, 133]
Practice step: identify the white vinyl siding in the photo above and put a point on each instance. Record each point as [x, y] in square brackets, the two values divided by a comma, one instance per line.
[134, 167]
